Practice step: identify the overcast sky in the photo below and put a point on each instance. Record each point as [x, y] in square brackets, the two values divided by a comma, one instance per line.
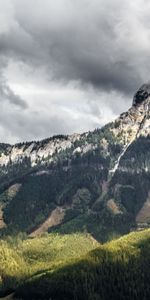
[69, 65]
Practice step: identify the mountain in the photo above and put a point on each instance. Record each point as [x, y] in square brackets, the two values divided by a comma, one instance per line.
[98, 182]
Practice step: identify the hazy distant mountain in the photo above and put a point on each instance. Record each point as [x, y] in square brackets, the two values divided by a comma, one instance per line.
[96, 181]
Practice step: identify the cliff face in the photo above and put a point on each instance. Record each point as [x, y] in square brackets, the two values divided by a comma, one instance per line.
[99, 180]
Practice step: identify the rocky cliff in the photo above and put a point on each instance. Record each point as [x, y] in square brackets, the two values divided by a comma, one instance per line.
[96, 181]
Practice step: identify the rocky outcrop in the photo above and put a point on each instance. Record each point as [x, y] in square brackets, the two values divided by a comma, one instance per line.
[142, 94]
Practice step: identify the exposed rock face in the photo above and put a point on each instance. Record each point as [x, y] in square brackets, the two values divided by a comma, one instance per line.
[37, 151]
[142, 94]
[102, 177]
[131, 124]
[135, 122]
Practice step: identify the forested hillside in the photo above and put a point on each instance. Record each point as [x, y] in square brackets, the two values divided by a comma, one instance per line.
[96, 181]
[75, 266]
[117, 270]
[22, 258]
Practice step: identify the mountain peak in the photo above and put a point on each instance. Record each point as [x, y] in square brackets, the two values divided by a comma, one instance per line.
[97, 180]
[142, 94]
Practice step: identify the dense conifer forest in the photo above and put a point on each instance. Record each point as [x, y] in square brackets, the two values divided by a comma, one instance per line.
[76, 267]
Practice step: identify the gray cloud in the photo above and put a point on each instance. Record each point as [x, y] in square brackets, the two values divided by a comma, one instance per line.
[98, 47]
[93, 43]
[6, 94]
[22, 125]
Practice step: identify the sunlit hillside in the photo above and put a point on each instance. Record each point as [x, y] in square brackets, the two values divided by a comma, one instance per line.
[116, 270]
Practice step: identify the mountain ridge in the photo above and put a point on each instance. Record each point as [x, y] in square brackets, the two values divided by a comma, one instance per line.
[88, 176]
[136, 115]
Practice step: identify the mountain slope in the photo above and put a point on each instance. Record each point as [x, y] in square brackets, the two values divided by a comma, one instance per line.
[22, 258]
[100, 180]
[75, 267]
[116, 270]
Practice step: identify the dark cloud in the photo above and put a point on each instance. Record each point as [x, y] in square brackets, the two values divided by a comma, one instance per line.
[101, 47]
[6, 94]
[78, 41]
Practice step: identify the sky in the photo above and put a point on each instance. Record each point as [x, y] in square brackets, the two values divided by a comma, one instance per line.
[69, 65]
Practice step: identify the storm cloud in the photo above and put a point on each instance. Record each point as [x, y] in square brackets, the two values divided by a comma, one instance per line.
[68, 60]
